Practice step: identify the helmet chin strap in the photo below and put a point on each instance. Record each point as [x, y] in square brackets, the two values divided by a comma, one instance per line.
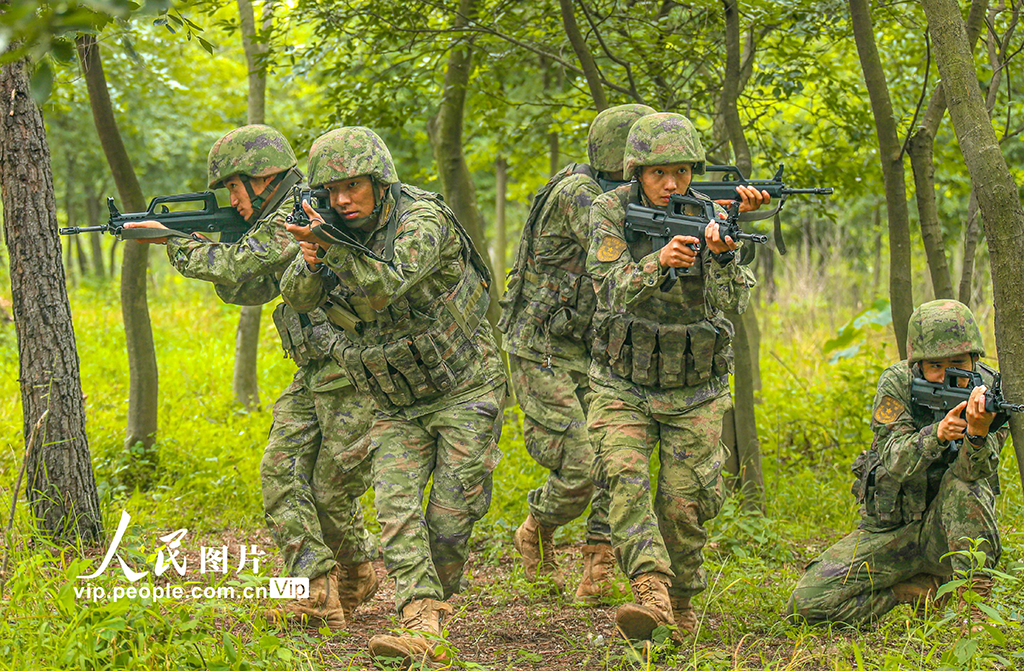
[258, 201]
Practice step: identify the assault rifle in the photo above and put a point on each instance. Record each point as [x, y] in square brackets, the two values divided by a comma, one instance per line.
[941, 397]
[332, 230]
[210, 218]
[663, 225]
[725, 189]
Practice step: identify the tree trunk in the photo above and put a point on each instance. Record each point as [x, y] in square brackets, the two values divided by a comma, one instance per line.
[998, 197]
[965, 292]
[60, 486]
[245, 380]
[587, 63]
[922, 153]
[92, 214]
[901, 289]
[747, 446]
[445, 131]
[500, 192]
[143, 383]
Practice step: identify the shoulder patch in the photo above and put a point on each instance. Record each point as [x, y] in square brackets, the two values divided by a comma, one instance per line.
[611, 249]
[888, 410]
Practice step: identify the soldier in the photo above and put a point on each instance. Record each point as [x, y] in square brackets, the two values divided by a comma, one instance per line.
[920, 498]
[424, 352]
[546, 315]
[660, 374]
[317, 463]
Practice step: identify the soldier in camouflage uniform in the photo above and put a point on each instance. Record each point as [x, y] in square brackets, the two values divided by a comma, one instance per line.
[920, 498]
[660, 376]
[316, 465]
[423, 350]
[546, 316]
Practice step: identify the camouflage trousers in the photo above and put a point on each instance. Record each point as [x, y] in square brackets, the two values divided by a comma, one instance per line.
[425, 553]
[314, 469]
[851, 581]
[555, 433]
[667, 536]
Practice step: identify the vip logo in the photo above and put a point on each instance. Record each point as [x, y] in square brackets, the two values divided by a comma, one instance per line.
[289, 588]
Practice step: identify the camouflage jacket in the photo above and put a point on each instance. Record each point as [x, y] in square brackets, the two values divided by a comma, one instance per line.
[423, 342]
[247, 272]
[900, 475]
[672, 347]
[548, 307]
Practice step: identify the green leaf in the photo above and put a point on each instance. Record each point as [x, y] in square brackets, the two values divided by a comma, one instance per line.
[998, 637]
[205, 45]
[991, 612]
[229, 648]
[41, 84]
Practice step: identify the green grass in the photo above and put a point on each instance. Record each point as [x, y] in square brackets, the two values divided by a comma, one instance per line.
[813, 418]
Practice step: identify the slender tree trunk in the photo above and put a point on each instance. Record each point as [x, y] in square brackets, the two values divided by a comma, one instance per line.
[143, 383]
[60, 486]
[998, 196]
[876, 278]
[554, 153]
[245, 380]
[901, 289]
[747, 446]
[965, 290]
[500, 191]
[445, 131]
[92, 215]
[921, 149]
[579, 46]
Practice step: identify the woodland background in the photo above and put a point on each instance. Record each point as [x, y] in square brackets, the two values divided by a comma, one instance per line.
[483, 101]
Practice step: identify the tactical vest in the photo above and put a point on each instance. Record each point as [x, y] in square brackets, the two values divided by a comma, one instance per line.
[670, 339]
[305, 337]
[885, 502]
[406, 354]
[559, 299]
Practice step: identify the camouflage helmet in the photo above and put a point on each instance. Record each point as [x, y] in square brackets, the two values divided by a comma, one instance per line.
[350, 152]
[607, 138]
[941, 329]
[663, 139]
[253, 151]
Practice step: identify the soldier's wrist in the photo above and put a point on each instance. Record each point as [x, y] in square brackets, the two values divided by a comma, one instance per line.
[975, 439]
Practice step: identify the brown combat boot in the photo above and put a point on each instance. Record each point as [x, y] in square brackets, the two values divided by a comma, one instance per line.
[652, 608]
[357, 583]
[684, 614]
[598, 570]
[321, 607]
[418, 617]
[967, 604]
[919, 591]
[535, 543]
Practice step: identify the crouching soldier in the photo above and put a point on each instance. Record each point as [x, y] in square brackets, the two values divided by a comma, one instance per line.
[924, 486]
[424, 351]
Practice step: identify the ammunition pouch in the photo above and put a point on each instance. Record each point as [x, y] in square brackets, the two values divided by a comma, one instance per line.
[562, 303]
[665, 355]
[305, 337]
[886, 503]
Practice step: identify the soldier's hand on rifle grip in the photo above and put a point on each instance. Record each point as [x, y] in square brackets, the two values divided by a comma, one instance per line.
[952, 426]
[680, 252]
[712, 235]
[978, 420]
[750, 198]
[147, 224]
[309, 250]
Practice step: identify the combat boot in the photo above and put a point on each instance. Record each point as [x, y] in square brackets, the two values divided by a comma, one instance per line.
[651, 609]
[919, 591]
[684, 614]
[419, 617]
[598, 570]
[536, 545]
[357, 583]
[967, 605]
[320, 607]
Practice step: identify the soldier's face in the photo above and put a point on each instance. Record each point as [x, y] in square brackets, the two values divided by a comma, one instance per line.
[661, 181]
[934, 370]
[240, 197]
[353, 200]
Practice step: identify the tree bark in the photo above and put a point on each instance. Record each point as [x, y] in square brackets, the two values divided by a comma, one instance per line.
[901, 289]
[92, 214]
[445, 131]
[245, 379]
[60, 486]
[579, 46]
[143, 381]
[998, 196]
[965, 293]
[921, 149]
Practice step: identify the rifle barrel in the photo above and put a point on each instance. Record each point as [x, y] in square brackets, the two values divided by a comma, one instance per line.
[75, 230]
[820, 191]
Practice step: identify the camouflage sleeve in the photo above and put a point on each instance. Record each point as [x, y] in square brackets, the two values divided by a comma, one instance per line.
[617, 277]
[904, 449]
[574, 207]
[980, 462]
[302, 288]
[728, 287]
[256, 291]
[418, 242]
[267, 249]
